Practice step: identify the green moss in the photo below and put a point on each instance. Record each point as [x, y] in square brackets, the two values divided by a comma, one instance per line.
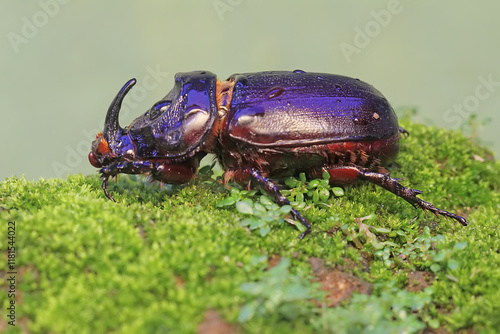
[161, 257]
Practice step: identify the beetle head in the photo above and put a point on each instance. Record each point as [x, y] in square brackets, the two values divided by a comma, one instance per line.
[166, 141]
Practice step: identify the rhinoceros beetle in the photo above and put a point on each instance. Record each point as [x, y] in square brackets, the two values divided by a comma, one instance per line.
[261, 126]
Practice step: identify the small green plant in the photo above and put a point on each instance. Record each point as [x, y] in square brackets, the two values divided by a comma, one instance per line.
[425, 252]
[262, 213]
[317, 190]
[392, 311]
[265, 212]
[444, 257]
[278, 292]
[236, 195]
[397, 249]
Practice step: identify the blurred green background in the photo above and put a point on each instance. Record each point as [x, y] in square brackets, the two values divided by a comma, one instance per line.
[62, 62]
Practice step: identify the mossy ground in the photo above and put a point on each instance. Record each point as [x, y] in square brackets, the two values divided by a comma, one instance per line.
[159, 259]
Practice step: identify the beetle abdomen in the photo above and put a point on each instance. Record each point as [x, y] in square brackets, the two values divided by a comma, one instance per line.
[301, 109]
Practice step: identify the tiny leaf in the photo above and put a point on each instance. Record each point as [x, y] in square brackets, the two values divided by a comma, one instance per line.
[286, 208]
[245, 206]
[435, 267]
[226, 201]
[247, 312]
[265, 200]
[246, 222]
[291, 182]
[324, 194]
[302, 177]
[313, 184]
[460, 245]
[453, 264]
[264, 230]
[316, 196]
[257, 207]
[256, 224]
[381, 229]
[337, 191]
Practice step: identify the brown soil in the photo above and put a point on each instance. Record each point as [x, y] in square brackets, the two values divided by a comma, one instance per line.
[215, 324]
[338, 284]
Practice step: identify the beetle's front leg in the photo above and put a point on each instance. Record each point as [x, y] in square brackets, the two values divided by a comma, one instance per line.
[128, 167]
[271, 188]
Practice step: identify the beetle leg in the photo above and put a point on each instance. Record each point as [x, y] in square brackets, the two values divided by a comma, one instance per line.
[115, 168]
[108, 195]
[128, 167]
[271, 188]
[408, 194]
[404, 132]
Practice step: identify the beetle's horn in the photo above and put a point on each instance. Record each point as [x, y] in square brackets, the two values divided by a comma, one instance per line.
[111, 125]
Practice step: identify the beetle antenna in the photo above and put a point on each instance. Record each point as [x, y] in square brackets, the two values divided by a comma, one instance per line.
[108, 195]
[111, 125]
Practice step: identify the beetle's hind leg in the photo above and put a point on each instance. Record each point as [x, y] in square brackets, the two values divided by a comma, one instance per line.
[271, 188]
[408, 194]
